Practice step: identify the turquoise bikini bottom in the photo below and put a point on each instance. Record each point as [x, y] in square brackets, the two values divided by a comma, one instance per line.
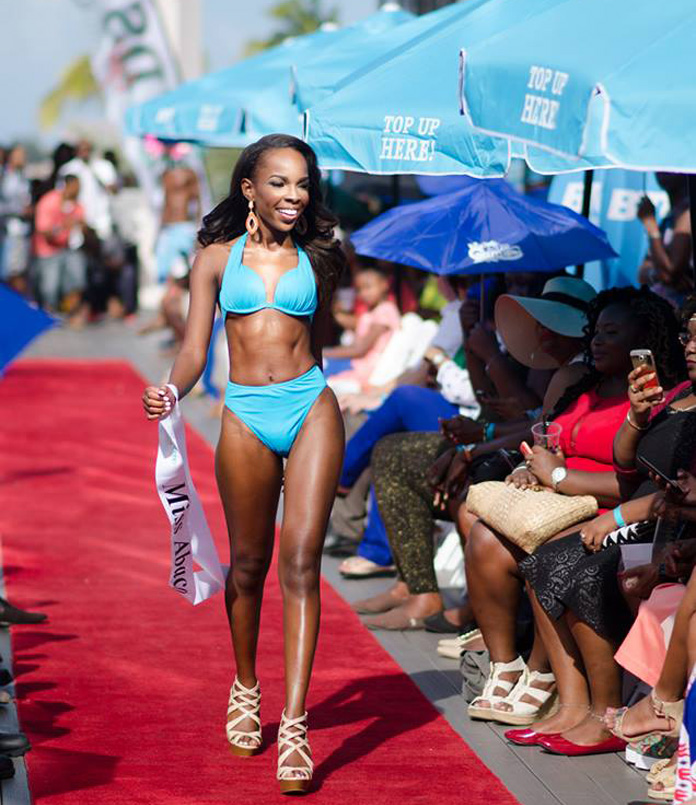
[275, 413]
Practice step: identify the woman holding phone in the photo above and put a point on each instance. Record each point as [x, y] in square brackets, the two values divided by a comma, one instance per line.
[578, 604]
[590, 413]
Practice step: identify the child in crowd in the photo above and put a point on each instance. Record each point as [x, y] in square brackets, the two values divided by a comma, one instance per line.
[373, 329]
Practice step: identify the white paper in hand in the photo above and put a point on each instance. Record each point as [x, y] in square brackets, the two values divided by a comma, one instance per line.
[191, 540]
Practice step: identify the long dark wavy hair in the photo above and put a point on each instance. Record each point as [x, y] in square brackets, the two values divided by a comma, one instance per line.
[226, 221]
[660, 334]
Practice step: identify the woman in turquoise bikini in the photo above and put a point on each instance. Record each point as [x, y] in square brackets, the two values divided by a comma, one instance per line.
[270, 260]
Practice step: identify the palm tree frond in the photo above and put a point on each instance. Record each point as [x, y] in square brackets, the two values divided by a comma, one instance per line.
[77, 84]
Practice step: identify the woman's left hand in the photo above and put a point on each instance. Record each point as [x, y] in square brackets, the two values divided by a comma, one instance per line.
[543, 462]
[482, 342]
[592, 534]
[457, 474]
[645, 210]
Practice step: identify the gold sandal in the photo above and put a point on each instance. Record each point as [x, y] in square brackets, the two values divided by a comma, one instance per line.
[667, 778]
[247, 703]
[292, 737]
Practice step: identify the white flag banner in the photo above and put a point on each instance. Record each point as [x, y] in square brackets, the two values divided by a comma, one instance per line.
[190, 536]
[132, 64]
[134, 61]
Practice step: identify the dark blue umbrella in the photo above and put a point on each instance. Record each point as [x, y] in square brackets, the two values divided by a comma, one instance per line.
[20, 323]
[483, 228]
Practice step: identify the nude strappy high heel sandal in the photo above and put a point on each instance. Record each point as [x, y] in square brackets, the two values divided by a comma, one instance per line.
[292, 737]
[246, 702]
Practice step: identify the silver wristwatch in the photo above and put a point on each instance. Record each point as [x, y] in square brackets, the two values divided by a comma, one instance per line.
[558, 476]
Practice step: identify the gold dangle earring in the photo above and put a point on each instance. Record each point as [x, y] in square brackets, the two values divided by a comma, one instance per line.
[301, 226]
[252, 222]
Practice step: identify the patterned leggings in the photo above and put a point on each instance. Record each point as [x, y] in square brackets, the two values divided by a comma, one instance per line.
[399, 466]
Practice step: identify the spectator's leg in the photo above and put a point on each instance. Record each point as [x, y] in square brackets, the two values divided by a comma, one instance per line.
[404, 498]
[494, 587]
[375, 544]
[128, 288]
[349, 512]
[48, 274]
[75, 283]
[604, 678]
[641, 718]
[567, 666]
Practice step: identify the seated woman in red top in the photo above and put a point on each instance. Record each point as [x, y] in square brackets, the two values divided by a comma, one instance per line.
[590, 413]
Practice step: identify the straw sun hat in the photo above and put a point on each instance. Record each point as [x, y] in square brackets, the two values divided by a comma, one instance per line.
[561, 308]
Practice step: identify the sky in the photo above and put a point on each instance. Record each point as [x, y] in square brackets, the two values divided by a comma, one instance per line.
[39, 38]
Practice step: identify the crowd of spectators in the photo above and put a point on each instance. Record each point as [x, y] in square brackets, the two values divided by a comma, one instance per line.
[61, 239]
[554, 640]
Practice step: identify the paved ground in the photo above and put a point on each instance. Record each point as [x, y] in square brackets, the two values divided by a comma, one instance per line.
[534, 777]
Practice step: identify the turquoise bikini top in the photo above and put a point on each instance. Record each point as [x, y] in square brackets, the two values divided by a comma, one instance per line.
[243, 290]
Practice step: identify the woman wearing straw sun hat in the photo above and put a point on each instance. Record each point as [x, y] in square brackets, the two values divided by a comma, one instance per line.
[538, 332]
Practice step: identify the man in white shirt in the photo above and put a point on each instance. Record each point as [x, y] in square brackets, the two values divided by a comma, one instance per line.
[98, 181]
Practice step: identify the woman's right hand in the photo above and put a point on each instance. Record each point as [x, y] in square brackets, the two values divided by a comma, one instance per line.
[642, 399]
[158, 402]
[592, 534]
[522, 478]
[461, 430]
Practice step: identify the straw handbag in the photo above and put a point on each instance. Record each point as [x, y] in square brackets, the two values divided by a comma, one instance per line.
[527, 517]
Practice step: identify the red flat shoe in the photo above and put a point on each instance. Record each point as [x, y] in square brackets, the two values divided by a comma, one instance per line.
[527, 736]
[558, 745]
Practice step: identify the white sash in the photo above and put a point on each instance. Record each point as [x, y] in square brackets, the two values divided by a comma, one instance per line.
[191, 537]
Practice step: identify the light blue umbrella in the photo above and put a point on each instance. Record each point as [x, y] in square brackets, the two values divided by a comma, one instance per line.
[351, 49]
[396, 114]
[230, 107]
[590, 76]
[235, 106]
[484, 228]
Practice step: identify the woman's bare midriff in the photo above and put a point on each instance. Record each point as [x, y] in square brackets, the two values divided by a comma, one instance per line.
[268, 347]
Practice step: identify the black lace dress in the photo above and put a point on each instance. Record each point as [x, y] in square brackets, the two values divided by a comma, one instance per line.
[565, 576]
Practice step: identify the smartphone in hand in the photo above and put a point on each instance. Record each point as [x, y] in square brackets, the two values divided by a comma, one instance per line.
[643, 359]
[671, 482]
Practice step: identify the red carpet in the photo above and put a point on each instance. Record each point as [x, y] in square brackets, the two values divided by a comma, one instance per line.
[123, 692]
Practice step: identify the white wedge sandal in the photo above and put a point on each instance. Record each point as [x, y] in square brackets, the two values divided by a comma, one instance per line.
[246, 702]
[494, 682]
[292, 737]
[523, 713]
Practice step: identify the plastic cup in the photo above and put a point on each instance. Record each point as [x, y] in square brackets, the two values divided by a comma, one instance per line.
[547, 435]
